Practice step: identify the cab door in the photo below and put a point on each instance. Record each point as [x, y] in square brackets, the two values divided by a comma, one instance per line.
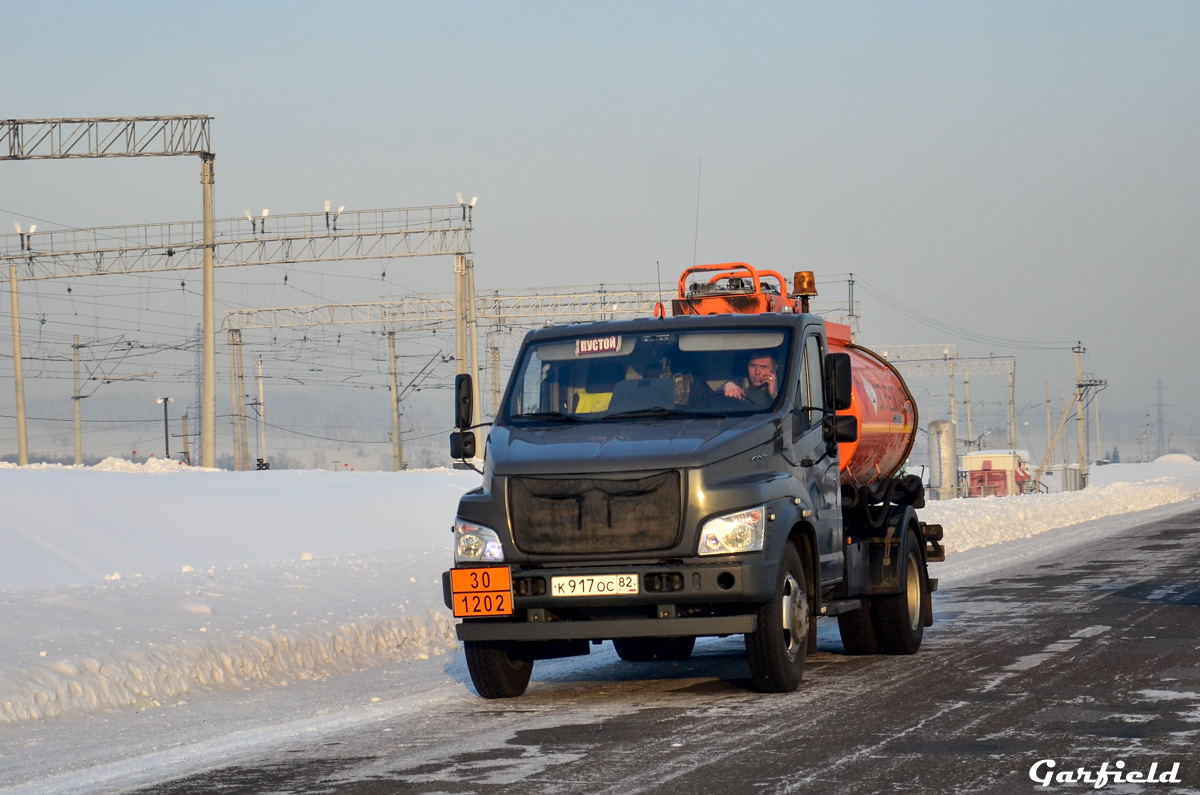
[822, 478]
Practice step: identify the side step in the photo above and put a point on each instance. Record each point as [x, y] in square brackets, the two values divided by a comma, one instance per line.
[835, 607]
[934, 552]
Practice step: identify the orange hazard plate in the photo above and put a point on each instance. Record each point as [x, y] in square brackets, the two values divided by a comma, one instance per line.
[482, 592]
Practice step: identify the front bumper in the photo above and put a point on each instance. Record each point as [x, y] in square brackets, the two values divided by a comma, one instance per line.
[604, 629]
[718, 582]
[715, 598]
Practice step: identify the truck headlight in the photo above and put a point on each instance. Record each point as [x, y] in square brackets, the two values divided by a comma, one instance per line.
[734, 532]
[475, 543]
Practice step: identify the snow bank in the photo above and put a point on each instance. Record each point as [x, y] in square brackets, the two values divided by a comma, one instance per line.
[1114, 489]
[151, 641]
[111, 464]
[122, 590]
[154, 465]
[150, 678]
[1175, 458]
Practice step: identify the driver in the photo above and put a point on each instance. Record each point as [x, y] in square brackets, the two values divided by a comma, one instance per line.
[760, 386]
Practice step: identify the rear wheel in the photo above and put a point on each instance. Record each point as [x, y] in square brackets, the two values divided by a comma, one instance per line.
[898, 617]
[646, 649]
[858, 631]
[778, 647]
[494, 673]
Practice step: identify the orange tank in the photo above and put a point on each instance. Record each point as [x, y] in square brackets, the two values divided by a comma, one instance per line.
[885, 409]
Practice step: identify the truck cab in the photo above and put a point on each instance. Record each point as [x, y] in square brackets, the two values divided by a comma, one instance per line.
[656, 480]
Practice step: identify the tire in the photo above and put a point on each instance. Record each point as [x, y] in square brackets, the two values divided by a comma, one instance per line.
[858, 631]
[778, 647]
[898, 617]
[494, 673]
[647, 649]
[674, 648]
[635, 649]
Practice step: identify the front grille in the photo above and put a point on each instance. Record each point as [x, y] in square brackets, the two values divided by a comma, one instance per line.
[591, 515]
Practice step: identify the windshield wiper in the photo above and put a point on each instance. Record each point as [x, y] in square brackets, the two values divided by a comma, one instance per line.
[549, 416]
[661, 412]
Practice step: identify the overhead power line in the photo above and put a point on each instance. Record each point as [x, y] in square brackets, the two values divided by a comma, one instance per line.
[973, 336]
[353, 441]
[34, 218]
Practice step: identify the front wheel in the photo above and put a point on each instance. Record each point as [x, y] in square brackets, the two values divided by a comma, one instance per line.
[494, 673]
[898, 617]
[778, 647]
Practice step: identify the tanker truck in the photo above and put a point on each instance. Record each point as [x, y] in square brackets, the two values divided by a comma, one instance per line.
[735, 468]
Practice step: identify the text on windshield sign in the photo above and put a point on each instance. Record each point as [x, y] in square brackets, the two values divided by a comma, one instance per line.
[593, 345]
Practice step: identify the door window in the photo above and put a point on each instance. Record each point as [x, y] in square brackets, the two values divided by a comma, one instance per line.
[812, 389]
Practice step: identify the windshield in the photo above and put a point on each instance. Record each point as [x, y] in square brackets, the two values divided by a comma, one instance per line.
[596, 378]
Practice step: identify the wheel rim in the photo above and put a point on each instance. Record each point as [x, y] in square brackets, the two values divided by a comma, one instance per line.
[913, 587]
[795, 617]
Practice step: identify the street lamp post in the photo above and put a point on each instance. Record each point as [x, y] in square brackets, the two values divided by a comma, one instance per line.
[166, 401]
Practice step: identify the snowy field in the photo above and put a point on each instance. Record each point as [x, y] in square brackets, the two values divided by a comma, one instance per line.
[144, 605]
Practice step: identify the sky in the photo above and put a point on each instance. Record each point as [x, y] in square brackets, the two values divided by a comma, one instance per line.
[1024, 171]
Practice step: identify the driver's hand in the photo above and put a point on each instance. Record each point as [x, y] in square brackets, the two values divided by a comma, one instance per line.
[734, 391]
[772, 385]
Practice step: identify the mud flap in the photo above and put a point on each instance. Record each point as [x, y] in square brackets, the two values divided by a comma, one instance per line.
[934, 551]
[927, 606]
[889, 551]
[931, 534]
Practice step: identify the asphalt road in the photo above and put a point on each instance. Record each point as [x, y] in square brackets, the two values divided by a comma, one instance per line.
[1090, 657]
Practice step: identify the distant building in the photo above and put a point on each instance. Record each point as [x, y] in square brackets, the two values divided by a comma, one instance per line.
[996, 473]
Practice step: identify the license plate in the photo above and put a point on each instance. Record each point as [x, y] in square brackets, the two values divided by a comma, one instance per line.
[482, 592]
[595, 585]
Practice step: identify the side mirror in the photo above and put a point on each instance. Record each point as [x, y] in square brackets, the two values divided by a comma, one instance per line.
[835, 429]
[463, 408]
[462, 444]
[837, 369]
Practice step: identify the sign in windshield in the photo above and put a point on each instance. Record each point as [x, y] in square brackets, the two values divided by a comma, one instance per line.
[595, 378]
[589, 346]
